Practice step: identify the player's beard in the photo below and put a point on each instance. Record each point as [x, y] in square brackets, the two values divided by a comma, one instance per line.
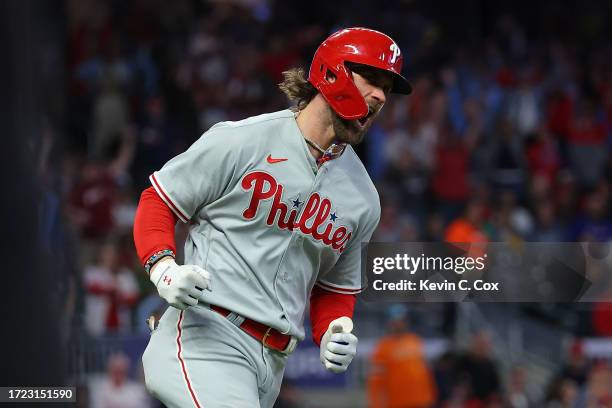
[349, 131]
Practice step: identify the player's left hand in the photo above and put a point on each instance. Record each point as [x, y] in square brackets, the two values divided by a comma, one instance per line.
[338, 345]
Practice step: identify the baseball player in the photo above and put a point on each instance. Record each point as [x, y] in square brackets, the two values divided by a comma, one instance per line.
[278, 206]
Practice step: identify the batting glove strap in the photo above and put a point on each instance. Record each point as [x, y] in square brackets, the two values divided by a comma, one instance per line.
[160, 270]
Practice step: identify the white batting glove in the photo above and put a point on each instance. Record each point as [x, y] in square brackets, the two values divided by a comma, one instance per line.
[180, 285]
[338, 345]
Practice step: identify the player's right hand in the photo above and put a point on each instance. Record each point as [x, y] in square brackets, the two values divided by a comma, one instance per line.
[338, 345]
[180, 285]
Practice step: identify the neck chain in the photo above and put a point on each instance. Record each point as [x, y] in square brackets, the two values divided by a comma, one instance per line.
[335, 150]
[315, 146]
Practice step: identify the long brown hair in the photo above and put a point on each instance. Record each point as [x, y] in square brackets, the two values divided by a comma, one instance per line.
[297, 88]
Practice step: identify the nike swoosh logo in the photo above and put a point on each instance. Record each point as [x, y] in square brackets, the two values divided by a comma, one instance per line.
[272, 161]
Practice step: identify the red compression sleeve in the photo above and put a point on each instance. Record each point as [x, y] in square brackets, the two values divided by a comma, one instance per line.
[153, 225]
[326, 306]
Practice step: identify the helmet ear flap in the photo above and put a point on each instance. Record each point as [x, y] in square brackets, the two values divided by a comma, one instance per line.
[325, 73]
[340, 92]
[330, 76]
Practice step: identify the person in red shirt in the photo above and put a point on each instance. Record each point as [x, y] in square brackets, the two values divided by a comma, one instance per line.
[111, 293]
[587, 137]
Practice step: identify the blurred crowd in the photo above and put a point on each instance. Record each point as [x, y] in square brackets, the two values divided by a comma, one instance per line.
[471, 377]
[506, 137]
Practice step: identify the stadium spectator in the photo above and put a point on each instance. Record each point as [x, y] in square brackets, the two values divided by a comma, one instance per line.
[542, 155]
[450, 181]
[587, 138]
[479, 372]
[547, 227]
[562, 393]
[112, 293]
[92, 200]
[519, 394]
[399, 375]
[597, 391]
[514, 222]
[577, 366]
[593, 224]
[116, 390]
[468, 228]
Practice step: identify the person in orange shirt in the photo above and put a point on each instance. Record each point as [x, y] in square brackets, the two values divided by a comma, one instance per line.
[467, 231]
[399, 376]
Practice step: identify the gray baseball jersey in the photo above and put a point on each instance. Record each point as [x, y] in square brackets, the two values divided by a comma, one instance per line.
[266, 221]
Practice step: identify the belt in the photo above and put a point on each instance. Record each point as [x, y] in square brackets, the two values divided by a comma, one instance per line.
[268, 336]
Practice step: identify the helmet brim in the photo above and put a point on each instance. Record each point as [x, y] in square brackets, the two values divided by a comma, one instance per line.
[400, 84]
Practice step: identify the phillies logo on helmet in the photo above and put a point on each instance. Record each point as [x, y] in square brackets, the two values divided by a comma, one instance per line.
[396, 52]
[314, 220]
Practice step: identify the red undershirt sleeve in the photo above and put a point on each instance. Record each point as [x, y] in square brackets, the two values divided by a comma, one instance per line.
[326, 306]
[153, 225]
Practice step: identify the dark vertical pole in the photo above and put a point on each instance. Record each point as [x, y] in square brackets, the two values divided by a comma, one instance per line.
[31, 349]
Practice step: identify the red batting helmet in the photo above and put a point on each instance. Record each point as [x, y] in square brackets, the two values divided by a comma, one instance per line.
[360, 46]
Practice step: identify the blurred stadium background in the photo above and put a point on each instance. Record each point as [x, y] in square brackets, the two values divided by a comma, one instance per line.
[506, 137]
